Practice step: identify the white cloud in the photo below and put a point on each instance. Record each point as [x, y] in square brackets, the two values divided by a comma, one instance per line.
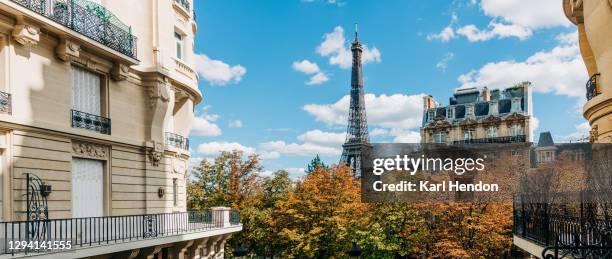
[495, 30]
[204, 126]
[560, 71]
[215, 148]
[323, 138]
[509, 18]
[306, 67]
[295, 172]
[235, 124]
[379, 132]
[216, 72]
[582, 132]
[318, 79]
[447, 33]
[444, 62]
[527, 13]
[391, 116]
[405, 136]
[570, 38]
[387, 111]
[311, 68]
[336, 48]
[305, 149]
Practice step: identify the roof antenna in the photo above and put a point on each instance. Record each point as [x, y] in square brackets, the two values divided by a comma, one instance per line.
[356, 31]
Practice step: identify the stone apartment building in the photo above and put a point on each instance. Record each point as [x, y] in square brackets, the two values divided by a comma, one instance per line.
[476, 116]
[592, 19]
[96, 103]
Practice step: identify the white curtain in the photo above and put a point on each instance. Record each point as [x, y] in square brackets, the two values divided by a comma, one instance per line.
[85, 91]
[87, 188]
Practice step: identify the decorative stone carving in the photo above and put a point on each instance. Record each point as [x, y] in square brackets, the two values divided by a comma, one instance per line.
[89, 150]
[439, 123]
[120, 72]
[26, 34]
[159, 92]
[67, 50]
[594, 134]
[155, 157]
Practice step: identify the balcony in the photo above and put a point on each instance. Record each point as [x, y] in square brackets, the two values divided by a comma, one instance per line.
[79, 233]
[591, 87]
[564, 228]
[177, 141]
[496, 140]
[6, 103]
[184, 3]
[89, 19]
[83, 120]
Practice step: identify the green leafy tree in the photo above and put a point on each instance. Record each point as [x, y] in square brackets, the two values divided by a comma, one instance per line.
[314, 164]
[228, 181]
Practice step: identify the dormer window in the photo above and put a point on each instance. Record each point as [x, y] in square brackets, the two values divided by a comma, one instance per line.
[516, 105]
[431, 114]
[450, 112]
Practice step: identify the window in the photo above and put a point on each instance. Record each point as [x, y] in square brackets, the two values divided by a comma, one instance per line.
[516, 130]
[180, 49]
[450, 113]
[86, 92]
[516, 105]
[492, 132]
[87, 188]
[440, 137]
[468, 134]
[546, 156]
[175, 191]
[431, 114]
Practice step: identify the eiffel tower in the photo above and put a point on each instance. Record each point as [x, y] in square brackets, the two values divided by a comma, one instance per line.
[357, 136]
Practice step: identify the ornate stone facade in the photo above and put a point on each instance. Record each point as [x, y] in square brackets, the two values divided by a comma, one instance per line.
[592, 19]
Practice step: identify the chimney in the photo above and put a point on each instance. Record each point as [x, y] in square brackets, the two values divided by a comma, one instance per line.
[429, 102]
[485, 94]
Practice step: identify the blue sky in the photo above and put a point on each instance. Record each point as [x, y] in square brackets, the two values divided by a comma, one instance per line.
[274, 74]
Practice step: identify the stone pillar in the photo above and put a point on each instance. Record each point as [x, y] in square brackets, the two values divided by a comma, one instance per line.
[221, 216]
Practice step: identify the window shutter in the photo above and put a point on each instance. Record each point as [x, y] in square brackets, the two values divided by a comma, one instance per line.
[85, 91]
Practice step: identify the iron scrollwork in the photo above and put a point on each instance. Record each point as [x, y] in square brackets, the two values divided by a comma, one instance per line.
[92, 122]
[37, 209]
[87, 18]
[150, 226]
[580, 247]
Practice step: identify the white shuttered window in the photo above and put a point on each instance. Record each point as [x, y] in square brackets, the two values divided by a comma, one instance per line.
[87, 188]
[85, 91]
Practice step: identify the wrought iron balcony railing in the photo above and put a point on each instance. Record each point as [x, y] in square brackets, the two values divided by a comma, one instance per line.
[177, 141]
[99, 231]
[184, 3]
[91, 122]
[591, 87]
[496, 140]
[572, 224]
[87, 18]
[6, 103]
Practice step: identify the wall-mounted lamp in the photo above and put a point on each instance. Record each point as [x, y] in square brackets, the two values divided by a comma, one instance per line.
[161, 192]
